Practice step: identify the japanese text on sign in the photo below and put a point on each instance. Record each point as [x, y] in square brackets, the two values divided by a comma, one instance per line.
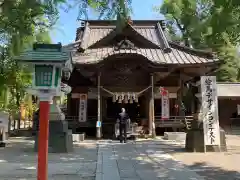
[165, 103]
[83, 108]
[210, 110]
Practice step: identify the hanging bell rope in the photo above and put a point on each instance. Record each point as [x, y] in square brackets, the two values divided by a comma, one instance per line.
[143, 90]
[107, 91]
[123, 97]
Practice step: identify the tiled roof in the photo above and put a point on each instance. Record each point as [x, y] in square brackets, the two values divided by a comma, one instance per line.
[96, 31]
[149, 33]
[95, 34]
[158, 56]
[43, 56]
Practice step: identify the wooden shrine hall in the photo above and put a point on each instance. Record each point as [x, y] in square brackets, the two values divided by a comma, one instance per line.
[125, 66]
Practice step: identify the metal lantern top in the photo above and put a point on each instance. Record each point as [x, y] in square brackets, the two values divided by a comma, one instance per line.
[44, 53]
[48, 60]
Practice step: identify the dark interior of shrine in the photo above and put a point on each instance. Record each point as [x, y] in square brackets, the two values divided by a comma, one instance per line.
[114, 108]
[137, 112]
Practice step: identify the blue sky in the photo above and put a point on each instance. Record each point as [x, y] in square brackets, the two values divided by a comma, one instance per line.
[65, 29]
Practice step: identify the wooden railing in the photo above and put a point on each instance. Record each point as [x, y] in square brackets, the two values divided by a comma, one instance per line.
[73, 121]
[76, 118]
[173, 121]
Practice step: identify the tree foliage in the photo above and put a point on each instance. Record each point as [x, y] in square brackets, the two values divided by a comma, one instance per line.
[106, 9]
[22, 23]
[208, 24]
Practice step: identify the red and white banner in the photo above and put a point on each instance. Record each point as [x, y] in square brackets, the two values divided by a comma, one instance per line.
[165, 103]
[83, 108]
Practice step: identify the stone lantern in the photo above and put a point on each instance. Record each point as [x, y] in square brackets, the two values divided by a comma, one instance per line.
[48, 61]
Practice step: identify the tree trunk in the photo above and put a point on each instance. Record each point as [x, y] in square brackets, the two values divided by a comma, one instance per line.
[18, 105]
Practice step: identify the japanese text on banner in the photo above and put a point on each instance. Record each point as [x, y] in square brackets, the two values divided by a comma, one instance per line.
[83, 108]
[165, 103]
[210, 110]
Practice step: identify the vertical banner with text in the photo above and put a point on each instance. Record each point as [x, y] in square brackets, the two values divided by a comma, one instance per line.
[83, 108]
[165, 103]
[210, 110]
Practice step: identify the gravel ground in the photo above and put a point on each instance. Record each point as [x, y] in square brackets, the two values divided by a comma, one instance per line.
[19, 162]
[212, 166]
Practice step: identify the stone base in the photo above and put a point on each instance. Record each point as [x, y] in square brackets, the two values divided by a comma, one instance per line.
[178, 136]
[2, 144]
[78, 137]
[60, 138]
[195, 142]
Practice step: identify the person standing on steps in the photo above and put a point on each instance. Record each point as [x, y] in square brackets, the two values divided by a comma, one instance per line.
[123, 122]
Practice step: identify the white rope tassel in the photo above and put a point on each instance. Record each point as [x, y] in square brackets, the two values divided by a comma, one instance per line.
[136, 100]
[131, 101]
[134, 97]
[120, 99]
[114, 98]
[126, 99]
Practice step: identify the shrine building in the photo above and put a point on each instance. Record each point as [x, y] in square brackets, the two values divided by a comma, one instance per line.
[126, 66]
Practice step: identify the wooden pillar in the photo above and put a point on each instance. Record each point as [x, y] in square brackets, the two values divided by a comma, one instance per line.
[99, 116]
[180, 97]
[152, 131]
[69, 100]
[153, 108]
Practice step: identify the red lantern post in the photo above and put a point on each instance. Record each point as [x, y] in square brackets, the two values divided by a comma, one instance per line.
[47, 61]
[43, 140]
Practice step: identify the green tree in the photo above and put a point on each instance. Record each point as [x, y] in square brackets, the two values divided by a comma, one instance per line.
[22, 23]
[208, 24]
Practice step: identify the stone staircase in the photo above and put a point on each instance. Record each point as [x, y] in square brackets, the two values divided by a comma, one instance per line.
[235, 130]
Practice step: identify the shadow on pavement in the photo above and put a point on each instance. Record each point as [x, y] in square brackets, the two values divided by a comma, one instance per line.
[145, 160]
[214, 173]
[19, 161]
[202, 164]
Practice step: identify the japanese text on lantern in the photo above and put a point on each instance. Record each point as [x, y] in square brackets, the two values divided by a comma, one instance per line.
[210, 110]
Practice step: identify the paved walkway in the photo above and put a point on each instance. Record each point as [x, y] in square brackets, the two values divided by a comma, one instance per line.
[107, 160]
[139, 161]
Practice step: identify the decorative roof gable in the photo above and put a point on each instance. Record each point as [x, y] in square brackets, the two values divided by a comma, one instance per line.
[128, 32]
[100, 39]
[124, 44]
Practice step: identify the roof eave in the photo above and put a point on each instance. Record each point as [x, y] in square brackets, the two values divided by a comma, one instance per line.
[41, 61]
[197, 52]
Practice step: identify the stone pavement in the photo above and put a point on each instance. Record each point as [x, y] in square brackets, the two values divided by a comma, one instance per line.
[19, 162]
[103, 160]
[211, 166]
[139, 161]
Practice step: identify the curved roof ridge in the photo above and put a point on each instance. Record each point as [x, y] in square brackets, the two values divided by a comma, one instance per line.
[197, 52]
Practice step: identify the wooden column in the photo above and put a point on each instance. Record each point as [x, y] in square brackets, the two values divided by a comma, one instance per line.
[152, 131]
[180, 97]
[99, 116]
[69, 100]
[153, 109]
